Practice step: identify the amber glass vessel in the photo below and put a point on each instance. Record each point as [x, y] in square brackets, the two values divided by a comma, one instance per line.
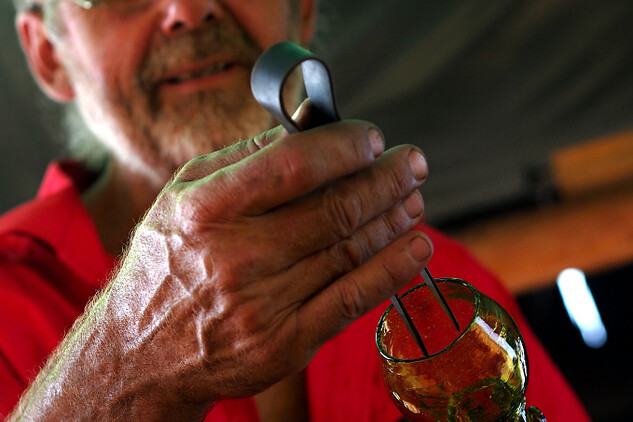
[476, 374]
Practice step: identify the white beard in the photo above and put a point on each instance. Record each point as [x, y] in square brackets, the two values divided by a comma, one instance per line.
[156, 137]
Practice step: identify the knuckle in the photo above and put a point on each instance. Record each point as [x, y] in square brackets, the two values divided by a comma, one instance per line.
[166, 204]
[296, 167]
[343, 213]
[401, 179]
[214, 199]
[192, 170]
[234, 153]
[360, 146]
[288, 166]
[350, 300]
[388, 276]
[395, 222]
[189, 207]
[230, 274]
[384, 231]
[226, 278]
[248, 320]
[177, 204]
[233, 311]
[254, 145]
[264, 139]
[348, 255]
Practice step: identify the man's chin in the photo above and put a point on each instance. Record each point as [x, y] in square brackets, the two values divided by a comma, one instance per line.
[205, 134]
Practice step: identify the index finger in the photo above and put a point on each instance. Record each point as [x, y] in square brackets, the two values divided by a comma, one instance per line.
[294, 166]
[356, 293]
[207, 164]
[204, 165]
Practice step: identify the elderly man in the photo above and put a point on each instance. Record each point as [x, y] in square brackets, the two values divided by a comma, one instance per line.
[235, 290]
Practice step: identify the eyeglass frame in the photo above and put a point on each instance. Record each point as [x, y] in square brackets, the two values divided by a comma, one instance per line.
[86, 4]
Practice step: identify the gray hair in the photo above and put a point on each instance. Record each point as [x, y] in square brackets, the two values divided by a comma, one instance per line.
[81, 142]
[24, 5]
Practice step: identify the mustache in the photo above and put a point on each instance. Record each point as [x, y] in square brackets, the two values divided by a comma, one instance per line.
[168, 54]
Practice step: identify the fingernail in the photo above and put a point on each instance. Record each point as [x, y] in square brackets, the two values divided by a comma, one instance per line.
[418, 164]
[420, 248]
[413, 204]
[376, 140]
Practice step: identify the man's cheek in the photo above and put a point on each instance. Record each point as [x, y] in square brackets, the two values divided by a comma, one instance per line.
[265, 22]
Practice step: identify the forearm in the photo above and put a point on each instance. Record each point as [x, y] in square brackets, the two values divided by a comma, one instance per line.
[227, 289]
[95, 374]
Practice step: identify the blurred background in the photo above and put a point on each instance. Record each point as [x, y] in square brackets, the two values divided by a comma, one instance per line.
[525, 112]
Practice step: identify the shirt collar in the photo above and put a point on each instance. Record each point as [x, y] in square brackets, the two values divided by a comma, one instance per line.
[58, 218]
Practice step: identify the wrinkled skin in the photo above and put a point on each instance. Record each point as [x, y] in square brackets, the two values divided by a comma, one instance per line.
[249, 260]
[250, 257]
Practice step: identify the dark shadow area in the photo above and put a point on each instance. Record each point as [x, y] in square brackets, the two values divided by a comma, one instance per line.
[601, 377]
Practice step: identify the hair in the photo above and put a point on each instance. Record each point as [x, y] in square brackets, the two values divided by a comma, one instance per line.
[80, 142]
[20, 5]
[25, 5]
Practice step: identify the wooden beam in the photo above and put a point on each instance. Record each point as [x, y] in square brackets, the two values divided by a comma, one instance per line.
[591, 228]
[590, 166]
[527, 250]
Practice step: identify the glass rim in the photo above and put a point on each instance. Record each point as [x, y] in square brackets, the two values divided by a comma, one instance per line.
[477, 300]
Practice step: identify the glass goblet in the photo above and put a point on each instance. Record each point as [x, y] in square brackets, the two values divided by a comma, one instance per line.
[477, 374]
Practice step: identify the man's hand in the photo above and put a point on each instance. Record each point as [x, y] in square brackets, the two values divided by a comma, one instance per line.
[250, 259]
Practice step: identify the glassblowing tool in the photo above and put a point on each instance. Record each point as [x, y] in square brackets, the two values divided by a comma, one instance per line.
[269, 75]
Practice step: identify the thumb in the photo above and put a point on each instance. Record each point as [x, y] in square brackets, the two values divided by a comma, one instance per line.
[207, 164]
[306, 116]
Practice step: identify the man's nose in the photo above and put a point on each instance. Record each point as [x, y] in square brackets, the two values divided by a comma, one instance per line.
[185, 15]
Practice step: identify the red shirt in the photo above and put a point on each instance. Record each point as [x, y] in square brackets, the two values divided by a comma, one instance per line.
[52, 262]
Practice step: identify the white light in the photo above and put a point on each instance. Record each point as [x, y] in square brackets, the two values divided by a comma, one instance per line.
[581, 307]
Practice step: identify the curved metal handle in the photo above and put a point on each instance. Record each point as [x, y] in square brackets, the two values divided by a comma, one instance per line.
[271, 72]
[267, 80]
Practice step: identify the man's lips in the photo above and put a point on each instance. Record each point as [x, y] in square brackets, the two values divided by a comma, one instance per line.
[200, 71]
[210, 75]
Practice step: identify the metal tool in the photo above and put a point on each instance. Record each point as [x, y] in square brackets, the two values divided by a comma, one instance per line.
[267, 81]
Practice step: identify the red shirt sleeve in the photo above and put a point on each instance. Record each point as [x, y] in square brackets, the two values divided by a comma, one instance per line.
[33, 317]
